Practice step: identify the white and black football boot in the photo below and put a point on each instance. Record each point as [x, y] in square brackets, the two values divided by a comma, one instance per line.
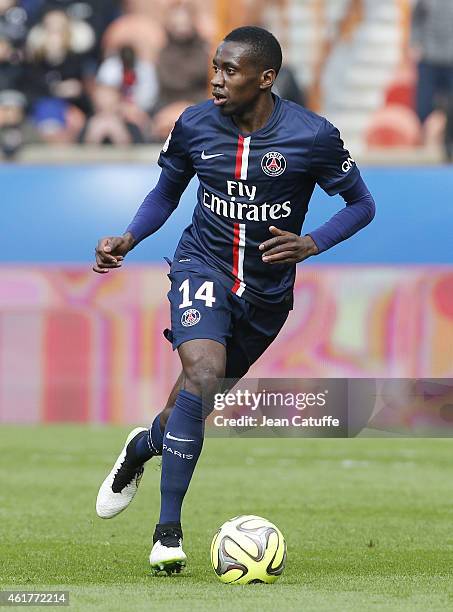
[167, 554]
[119, 488]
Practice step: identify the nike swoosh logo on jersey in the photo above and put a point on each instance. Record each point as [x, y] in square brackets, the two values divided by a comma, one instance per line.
[170, 437]
[204, 156]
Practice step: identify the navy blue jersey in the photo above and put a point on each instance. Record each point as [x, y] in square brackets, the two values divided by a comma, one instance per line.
[249, 182]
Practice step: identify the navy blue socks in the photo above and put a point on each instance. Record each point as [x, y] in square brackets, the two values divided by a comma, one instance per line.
[180, 447]
[156, 436]
[182, 444]
[150, 445]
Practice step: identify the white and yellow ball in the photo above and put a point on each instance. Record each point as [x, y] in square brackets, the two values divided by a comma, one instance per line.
[248, 549]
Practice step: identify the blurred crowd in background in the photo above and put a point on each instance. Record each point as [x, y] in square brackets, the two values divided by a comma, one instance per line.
[96, 71]
[432, 48]
[115, 72]
[101, 72]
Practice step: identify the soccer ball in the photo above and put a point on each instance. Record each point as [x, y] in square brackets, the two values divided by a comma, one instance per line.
[248, 549]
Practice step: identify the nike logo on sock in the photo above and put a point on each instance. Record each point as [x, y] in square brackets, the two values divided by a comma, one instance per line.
[170, 437]
[204, 156]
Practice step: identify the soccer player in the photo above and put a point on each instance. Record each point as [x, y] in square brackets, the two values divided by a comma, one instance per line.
[258, 159]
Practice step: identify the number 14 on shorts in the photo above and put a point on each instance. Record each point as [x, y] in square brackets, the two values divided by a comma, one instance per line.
[204, 293]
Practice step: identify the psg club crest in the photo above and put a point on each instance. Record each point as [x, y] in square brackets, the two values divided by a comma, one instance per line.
[273, 163]
[190, 317]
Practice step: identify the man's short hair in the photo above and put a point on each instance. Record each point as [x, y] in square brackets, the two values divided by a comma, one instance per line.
[265, 48]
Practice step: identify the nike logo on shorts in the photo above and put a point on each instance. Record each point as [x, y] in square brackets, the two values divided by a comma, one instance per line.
[204, 156]
[170, 437]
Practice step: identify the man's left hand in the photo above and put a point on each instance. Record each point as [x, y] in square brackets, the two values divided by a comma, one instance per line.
[287, 248]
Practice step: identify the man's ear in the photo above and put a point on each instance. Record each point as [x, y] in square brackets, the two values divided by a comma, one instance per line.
[267, 78]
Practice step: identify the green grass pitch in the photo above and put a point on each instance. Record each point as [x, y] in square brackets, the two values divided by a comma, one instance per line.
[368, 522]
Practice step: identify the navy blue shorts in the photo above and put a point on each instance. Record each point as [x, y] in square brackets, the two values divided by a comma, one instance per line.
[203, 307]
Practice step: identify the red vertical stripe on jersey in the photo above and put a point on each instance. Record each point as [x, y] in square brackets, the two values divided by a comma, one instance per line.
[240, 151]
[236, 254]
[236, 249]
[236, 286]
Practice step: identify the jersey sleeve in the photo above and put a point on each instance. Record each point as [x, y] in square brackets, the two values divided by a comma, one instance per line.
[331, 164]
[174, 157]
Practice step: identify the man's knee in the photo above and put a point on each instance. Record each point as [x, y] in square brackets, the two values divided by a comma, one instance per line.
[203, 377]
[203, 362]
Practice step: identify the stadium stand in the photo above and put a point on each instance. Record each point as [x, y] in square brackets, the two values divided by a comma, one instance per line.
[350, 60]
[401, 89]
[395, 125]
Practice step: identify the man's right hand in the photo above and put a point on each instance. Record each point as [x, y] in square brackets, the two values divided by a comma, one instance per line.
[111, 251]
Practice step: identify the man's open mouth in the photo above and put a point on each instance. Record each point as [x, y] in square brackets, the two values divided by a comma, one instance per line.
[219, 98]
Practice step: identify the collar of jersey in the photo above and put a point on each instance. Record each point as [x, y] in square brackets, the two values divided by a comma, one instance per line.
[275, 116]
